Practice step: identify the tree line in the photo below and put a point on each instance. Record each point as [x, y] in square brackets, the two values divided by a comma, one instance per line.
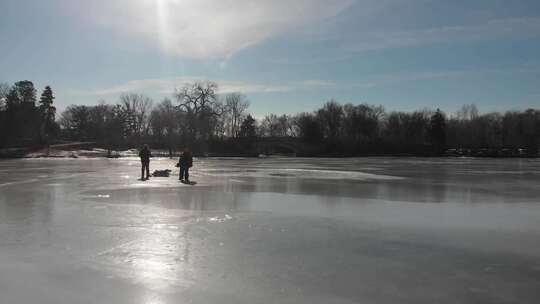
[25, 120]
[197, 116]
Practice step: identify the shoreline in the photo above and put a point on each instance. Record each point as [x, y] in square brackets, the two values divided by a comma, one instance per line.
[99, 153]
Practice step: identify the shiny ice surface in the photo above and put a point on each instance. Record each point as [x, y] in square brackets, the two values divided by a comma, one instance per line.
[366, 230]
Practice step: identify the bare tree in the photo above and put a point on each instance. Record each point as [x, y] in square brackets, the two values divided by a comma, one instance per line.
[362, 122]
[4, 91]
[331, 118]
[199, 105]
[467, 112]
[136, 108]
[286, 127]
[236, 105]
[276, 126]
[269, 126]
[164, 122]
[157, 125]
[75, 122]
[308, 127]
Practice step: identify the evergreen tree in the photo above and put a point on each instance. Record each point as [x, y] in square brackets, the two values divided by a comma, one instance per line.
[46, 99]
[247, 129]
[23, 120]
[12, 100]
[438, 132]
[26, 92]
[47, 114]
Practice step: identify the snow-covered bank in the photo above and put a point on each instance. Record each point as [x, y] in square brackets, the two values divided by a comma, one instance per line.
[83, 153]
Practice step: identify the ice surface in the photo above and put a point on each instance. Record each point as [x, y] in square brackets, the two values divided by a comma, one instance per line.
[285, 230]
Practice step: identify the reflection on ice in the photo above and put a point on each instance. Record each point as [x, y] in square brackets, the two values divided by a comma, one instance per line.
[157, 257]
[218, 219]
[294, 173]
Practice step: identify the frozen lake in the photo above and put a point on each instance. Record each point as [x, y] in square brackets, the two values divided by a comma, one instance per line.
[366, 230]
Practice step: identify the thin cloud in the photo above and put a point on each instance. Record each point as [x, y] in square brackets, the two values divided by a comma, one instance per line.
[515, 28]
[167, 86]
[377, 80]
[204, 29]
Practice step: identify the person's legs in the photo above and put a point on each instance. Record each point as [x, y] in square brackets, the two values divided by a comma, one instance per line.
[142, 170]
[181, 173]
[187, 174]
[147, 170]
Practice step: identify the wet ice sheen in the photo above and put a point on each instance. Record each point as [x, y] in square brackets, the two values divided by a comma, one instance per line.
[368, 230]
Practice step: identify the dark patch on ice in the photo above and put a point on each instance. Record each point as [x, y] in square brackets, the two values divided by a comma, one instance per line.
[282, 174]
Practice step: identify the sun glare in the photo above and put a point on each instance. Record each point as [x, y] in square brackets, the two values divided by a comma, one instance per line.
[165, 33]
[162, 22]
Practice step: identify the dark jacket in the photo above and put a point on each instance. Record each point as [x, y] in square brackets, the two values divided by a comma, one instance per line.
[145, 155]
[185, 161]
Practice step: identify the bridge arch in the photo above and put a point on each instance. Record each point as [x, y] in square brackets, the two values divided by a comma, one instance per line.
[283, 145]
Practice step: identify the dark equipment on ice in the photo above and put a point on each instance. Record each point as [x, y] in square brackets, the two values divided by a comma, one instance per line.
[161, 173]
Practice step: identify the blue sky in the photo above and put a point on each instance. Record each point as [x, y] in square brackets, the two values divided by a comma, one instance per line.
[285, 56]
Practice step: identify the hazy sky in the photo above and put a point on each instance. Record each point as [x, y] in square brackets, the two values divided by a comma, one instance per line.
[286, 56]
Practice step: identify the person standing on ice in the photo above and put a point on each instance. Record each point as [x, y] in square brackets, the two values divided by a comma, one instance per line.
[185, 162]
[145, 155]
